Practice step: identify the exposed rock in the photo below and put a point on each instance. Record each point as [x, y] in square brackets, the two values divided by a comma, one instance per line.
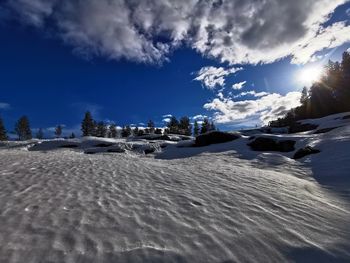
[69, 146]
[149, 150]
[346, 117]
[268, 144]
[103, 145]
[304, 152]
[214, 138]
[297, 127]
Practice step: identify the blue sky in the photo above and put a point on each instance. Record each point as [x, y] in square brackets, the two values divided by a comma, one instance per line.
[54, 67]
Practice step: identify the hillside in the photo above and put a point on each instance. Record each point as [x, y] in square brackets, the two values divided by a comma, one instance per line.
[106, 200]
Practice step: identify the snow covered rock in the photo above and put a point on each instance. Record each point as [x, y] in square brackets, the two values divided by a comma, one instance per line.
[269, 144]
[304, 152]
[214, 138]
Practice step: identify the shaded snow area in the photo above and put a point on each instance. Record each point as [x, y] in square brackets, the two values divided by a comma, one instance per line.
[105, 200]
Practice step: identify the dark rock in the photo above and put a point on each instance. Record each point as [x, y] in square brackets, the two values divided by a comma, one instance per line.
[268, 144]
[297, 127]
[148, 151]
[304, 152]
[214, 138]
[251, 138]
[346, 117]
[324, 130]
[103, 145]
[69, 146]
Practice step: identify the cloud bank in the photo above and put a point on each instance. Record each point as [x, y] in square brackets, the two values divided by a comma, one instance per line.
[265, 108]
[237, 32]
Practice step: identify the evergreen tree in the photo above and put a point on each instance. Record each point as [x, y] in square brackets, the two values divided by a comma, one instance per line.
[40, 134]
[113, 131]
[126, 131]
[135, 131]
[3, 135]
[158, 131]
[58, 131]
[140, 132]
[185, 127]
[173, 125]
[150, 126]
[205, 126]
[22, 128]
[304, 96]
[195, 128]
[88, 125]
[101, 129]
[72, 136]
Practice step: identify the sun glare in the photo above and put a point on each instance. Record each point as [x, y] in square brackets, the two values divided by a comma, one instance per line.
[310, 74]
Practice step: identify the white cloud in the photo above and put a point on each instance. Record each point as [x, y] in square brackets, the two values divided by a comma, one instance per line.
[236, 32]
[265, 108]
[199, 117]
[4, 106]
[167, 116]
[251, 93]
[166, 120]
[239, 85]
[212, 77]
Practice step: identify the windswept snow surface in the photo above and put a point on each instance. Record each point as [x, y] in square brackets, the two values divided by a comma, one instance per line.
[221, 203]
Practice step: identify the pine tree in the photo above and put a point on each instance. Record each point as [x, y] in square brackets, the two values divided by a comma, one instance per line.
[22, 128]
[304, 96]
[195, 128]
[135, 131]
[205, 126]
[113, 131]
[150, 126]
[140, 132]
[88, 125]
[3, 135]
[40, 134]
[185, 127]
[173, 125]
[126, 131]
[58, 131]
[72, 136]
[158, 131]
[101, 129]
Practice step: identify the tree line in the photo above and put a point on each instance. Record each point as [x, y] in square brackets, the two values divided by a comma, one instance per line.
[90, 127]
[329, 95]
[24, 132]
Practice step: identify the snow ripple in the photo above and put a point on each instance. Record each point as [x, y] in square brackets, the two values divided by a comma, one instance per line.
[63, 206]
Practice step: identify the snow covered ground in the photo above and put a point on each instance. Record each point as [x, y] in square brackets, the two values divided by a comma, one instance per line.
[220, 203]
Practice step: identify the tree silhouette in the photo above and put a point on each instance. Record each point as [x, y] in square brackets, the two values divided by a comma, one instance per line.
[196, 129]
[40, 134]
[58, 131]
[22, 128]
[3, 135]
[113, 131]
[88, 125]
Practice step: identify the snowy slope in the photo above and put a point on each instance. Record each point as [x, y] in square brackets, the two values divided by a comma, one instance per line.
[220, 203]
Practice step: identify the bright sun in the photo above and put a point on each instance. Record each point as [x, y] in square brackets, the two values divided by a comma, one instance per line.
[309, 75]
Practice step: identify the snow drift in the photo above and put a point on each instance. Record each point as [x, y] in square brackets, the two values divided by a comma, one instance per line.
[178, 203]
